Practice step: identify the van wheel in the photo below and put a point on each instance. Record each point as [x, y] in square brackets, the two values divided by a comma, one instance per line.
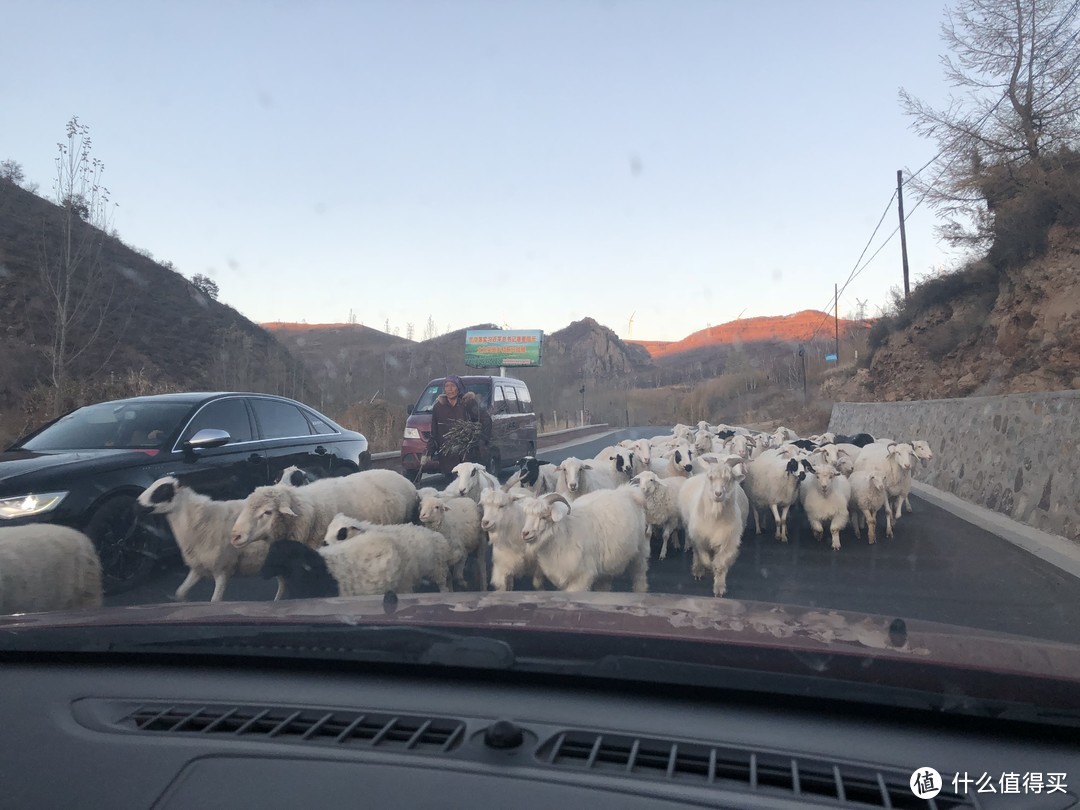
[495, 465]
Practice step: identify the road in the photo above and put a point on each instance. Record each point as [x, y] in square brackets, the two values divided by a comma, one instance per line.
[937, 567]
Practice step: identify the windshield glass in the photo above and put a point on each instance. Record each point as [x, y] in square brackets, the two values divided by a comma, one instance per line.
[112, 426]
[435, 390]
[781, 300]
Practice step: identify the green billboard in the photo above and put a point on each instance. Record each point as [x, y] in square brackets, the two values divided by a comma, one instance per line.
[492, 348]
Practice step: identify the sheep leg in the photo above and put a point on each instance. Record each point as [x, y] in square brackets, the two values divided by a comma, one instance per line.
[907, 503]
[817, 528]
[779, 522]
[721, 562]
[442, 577]
[855, 525]
[537, 580]
[578, 584]
[639, 573]
[220, 581]
[757, 521]
[702, 563]
[835, 537]
[897, 512]
[602, 584]
[280, 589]
[871, 526]
[190, 581]
[481, 565]
[783, 523]
[666, 536]
[888, 524]
[459, 573]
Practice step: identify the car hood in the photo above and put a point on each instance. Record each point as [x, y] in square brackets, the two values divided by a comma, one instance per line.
[16, 463]
[813, 634]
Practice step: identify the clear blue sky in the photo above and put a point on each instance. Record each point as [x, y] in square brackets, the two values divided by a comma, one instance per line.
[527, 163]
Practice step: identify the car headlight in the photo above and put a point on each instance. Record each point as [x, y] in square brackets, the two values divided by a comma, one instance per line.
[412, 433]
[29, 505]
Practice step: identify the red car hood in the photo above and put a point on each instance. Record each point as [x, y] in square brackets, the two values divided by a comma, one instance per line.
[702, 621]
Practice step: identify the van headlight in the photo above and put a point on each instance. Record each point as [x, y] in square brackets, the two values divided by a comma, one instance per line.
[30, 505]
[412, 433]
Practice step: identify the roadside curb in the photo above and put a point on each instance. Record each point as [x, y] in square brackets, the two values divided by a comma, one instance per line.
[1051, 548]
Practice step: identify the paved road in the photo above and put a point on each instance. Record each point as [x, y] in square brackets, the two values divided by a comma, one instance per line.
[936, 567]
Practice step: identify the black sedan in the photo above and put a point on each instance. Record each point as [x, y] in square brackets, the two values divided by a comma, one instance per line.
[86, 468]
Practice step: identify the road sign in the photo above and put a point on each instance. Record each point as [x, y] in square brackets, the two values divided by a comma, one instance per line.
[830, 358]
[492, 348]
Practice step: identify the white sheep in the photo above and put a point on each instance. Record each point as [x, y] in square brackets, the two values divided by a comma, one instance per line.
[922, 451]
[714, 510]
[503, 520]
[894, 462]
[458, 518]
[868, 497]
[46, 567]
[470, 479]
[661, 506]
[418, 540]
[578, 477]
[202, 527]
[590, 543]
[677, 462]
[281, 512]
[772, 482]
[825, 495]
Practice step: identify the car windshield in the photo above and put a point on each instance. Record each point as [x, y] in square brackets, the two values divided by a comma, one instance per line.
[112, 426]
[774, 309]
[433, 391]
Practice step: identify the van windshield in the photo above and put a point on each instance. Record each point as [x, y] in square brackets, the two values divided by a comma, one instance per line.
[427, 399]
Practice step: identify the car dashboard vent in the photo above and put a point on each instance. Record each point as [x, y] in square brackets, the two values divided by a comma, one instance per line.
[740, 769]
[300, 725]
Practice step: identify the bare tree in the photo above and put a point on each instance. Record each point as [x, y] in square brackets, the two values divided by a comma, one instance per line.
[12, 171]
[1016, 65]
[79, 299]
[352, 318]
[429, 330]
[409, 329]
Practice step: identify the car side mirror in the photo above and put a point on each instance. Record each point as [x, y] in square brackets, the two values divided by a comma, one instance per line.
[409, 409]
[207, 438]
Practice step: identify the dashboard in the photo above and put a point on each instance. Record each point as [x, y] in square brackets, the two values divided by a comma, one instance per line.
[159, 732]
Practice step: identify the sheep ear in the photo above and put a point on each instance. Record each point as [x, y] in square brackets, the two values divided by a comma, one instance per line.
[559, 510]
[285, 509]
[586, 466]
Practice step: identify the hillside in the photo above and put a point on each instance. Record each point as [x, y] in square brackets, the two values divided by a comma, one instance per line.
[981, 332]
[157, 331]
[800, 327]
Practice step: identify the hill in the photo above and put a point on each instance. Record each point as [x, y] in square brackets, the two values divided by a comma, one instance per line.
[800, 327]
[984, 330]
[145, 328]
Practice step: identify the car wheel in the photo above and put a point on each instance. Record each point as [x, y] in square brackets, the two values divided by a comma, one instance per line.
[495, 464]
[128, 552]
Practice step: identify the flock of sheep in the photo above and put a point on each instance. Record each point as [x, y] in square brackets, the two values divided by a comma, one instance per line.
[577, 525]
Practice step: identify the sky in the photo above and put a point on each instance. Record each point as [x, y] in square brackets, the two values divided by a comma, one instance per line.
[521, 163]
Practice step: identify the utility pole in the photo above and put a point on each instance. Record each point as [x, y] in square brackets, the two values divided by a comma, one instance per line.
[903, 232]
[802, 356]
[836, 315]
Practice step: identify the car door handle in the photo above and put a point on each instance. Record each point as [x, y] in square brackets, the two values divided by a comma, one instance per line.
[320, 450]
[255, 458]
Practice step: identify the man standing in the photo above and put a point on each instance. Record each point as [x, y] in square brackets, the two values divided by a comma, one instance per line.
[455, 405]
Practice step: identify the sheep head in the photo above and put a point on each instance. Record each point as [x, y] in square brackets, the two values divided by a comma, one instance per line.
[541, 515]
[432, 510]
[160, 498]
[264, 516]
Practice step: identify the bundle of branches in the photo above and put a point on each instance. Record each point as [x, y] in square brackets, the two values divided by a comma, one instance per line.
[461, 438]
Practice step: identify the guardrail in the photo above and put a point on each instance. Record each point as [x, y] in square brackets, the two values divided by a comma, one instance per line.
[391, 459]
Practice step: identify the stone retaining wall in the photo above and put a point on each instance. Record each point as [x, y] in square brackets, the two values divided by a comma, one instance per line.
[1015, 454]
